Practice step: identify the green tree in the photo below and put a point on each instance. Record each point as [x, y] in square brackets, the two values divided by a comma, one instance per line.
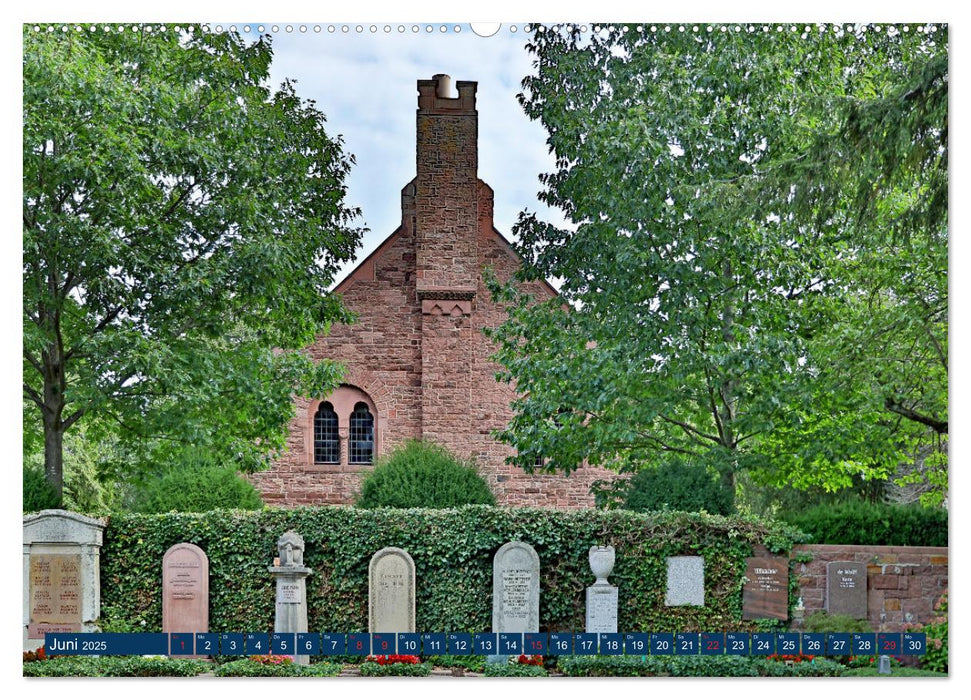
[702, 279]
[181, 225]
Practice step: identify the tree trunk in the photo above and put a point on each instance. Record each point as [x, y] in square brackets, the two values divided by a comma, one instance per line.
[52, 411]
[54, 454]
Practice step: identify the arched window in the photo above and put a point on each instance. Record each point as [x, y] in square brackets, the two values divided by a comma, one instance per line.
[361, 435]
[327, 446]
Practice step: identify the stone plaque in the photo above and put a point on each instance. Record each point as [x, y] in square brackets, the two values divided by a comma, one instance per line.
[391, 591]
[686, 581]
[846, 589]
[55, 590]
[602, 608]
[515, 589]
[765, 593]
[185, 589]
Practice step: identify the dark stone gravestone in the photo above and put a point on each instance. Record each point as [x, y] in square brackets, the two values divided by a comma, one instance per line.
[765, 594]
[846, 589]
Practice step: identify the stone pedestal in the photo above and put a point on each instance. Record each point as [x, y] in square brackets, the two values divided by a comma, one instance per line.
[291, 589]
[62, 565]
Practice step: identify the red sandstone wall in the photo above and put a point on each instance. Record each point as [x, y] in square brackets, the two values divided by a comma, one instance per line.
[903, 583]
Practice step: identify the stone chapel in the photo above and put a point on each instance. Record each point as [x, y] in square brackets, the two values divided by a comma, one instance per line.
[417, 362]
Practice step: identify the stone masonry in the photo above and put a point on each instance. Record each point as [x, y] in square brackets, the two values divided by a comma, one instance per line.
[417, 354]
[903, 583]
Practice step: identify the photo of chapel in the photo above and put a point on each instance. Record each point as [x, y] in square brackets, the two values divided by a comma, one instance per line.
[417, 362]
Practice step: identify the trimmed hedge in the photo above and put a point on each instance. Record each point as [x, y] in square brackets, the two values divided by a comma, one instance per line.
[370, 668]
[514, 671]
[248, 668]
[105, 666]
[695, 666]
[452, 549]
[872, 523]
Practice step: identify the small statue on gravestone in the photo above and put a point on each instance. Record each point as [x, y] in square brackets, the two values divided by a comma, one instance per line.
[290, 546]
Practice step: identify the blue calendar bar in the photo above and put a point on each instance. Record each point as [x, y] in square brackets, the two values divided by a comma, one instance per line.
[333, 644]
[638, 644]
[737, 643]
[106, 643]
[409, 643]
[207, 643]
[486, 644]
[459, 643]
[383, 643]
[359, 644]
[308, 643]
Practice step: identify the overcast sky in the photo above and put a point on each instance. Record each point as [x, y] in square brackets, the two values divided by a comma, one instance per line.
[366, 85]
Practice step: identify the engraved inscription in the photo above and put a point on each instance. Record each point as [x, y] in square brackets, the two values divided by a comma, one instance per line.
[515, 593]
[55, 588]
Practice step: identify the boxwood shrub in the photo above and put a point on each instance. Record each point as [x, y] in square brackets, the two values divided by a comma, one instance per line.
[249, 668]
[872, 523]
[452, 549]
[370, 668]
[514, 671]
[695, 666]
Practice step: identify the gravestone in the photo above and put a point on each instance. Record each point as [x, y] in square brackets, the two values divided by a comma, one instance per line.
[185, 589]
[601, 596]
[391, 591]
[686, 581]
[515, 589]
[61, 574]
[846, 589]
[765, 594]
[291, 588]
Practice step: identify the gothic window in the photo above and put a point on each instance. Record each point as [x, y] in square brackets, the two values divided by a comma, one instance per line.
[327, 446]
[361, 435]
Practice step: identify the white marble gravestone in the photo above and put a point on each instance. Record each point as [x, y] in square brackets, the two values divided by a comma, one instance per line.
[391, 591]
[686, 581]
[601, 596]
[515, 589]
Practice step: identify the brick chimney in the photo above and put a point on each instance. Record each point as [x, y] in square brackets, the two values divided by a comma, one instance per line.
[446, 211]
[446, 196]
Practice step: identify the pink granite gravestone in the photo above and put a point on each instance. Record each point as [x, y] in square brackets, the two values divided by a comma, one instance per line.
[185, 589]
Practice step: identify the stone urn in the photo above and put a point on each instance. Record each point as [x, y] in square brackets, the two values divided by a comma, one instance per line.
[601, 563]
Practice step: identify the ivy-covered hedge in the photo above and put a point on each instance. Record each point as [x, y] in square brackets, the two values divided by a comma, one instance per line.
[873, 523]
[453, 551]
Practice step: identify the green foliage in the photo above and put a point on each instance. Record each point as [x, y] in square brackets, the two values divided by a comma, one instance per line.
[182, 224]
[105, 666]
[254, 669]
[679, 486]
[370, 668]
[822, 621]
[196, 488]
[470, 663]
[896, 673]
[724, 299]
[39, 494]
[697, 666]
[453, 551]
[514, 670]
[935, 657]
[872, 523]
[423, 475]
